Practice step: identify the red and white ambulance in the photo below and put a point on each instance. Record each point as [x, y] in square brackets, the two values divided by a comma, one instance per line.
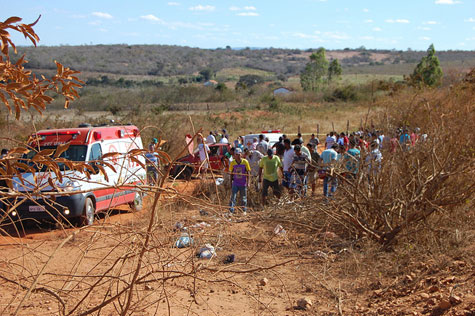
[87, 144]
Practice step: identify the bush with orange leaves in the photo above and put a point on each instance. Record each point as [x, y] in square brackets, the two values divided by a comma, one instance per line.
[19, 88]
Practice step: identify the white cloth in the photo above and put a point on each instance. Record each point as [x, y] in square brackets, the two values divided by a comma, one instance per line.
[203, 149]
[288, 158]
[265, 146]
[330, 141]
[210, 139]
[224, 140]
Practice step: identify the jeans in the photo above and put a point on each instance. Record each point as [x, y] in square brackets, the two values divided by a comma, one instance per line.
[334, 184]
[234, 191]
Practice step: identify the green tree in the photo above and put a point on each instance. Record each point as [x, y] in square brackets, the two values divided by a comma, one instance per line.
[315, 71]
[428, 71]
[207, 74]
[334, 70]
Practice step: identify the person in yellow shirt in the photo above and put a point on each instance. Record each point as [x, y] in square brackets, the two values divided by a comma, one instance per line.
[240, 173]
[270, 164]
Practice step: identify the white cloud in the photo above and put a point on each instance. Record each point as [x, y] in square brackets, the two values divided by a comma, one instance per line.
[248, 14]
[102, 15]
[250, 8]
[470, 38]
[424, 38]
[397, 21]
[377, 29]
[368, 21]
[201, 7]
[471, 20]
[447, 2]
[431, 22]
[336, 35]
[173, 4]
[78, 16]
[365, 10]
[151, 17]
[234, 8]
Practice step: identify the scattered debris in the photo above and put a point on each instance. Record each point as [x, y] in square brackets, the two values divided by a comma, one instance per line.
[207, 252]
[264, 282]
[455, 300]
[219, 181]
[329, 235]
[304, 303]
[184, 241]
[321, 254]
[229, 259]
[203, 213]
[201, 225]
[279, 230]
[444, 304]
[148, 287]
[179, 226]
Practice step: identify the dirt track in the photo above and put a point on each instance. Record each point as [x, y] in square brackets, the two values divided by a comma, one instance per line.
[346, 281]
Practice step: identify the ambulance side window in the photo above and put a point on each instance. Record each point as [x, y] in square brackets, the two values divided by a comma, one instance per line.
[96, 152]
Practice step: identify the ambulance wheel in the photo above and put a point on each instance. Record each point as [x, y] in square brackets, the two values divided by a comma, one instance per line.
[87, 217]
[137, 204]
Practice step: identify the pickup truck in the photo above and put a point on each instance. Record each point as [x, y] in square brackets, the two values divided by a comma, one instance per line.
[188, 165]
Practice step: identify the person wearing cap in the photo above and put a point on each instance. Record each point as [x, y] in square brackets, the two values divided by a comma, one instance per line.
[240, 173]
[153, 144]
[329, 158]
[270, 164]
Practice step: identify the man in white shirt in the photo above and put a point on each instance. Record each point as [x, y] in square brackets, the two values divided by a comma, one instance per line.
[331, 139]
[210, 139]
[264, 144]
[224, 140]
[288, 159]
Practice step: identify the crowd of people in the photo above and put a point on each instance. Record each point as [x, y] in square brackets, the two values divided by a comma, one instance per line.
[296, 166]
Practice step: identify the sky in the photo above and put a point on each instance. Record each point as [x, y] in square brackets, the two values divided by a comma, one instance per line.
[333, 24]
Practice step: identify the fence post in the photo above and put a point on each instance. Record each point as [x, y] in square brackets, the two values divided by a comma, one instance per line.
[299, 129]
[318, 129]
[333, 127]
[347, 126]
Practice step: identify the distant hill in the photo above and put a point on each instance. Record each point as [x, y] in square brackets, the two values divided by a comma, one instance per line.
[164, 60]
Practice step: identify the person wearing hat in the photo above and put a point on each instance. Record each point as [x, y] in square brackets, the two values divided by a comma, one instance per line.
[240, 173]
[153, 144]
[270, 164]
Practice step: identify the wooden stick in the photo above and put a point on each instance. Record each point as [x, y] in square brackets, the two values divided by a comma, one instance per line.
[333, 127]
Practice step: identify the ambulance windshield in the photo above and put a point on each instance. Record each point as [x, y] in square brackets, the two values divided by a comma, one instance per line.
[73, 153]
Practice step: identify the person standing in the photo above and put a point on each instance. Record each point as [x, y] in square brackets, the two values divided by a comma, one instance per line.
[270, 164]
[352, 158]
[288, 159]
[203, 151]
[279, 148]
[240, 172]
[331, 139]
[314, 141]
[264, 144]
[329, 158]
[299, 167]
[210, 139]
[312, 167]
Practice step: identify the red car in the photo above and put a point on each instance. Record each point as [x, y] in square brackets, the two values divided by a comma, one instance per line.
[188, 165]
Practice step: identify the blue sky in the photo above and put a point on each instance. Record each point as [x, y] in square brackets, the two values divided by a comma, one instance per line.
[333, 24]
